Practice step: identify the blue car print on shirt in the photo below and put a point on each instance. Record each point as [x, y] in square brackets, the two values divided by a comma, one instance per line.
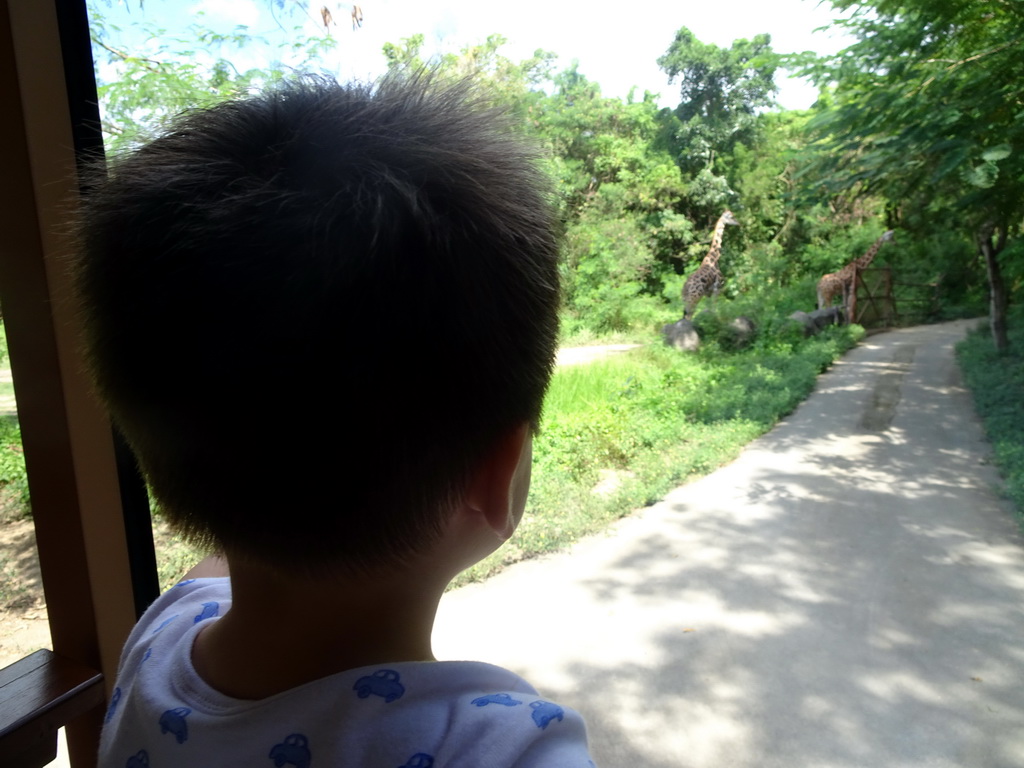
[173, 720]
[114, 699]
[209, 611]
[383, 682]
[294, 750]
[544, 712]
[496, 698]
[139, 760]
[419, 760]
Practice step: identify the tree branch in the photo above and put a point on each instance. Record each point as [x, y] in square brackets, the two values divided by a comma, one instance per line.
[954, 63]
[128, 57]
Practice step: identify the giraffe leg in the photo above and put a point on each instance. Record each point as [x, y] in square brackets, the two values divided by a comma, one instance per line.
[691, 305]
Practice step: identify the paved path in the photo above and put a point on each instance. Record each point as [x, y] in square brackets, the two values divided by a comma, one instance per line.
[849, 592]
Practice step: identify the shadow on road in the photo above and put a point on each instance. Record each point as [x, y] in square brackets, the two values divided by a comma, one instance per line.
[849, 592]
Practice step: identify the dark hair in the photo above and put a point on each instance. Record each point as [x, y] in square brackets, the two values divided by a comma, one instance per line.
[311, 311]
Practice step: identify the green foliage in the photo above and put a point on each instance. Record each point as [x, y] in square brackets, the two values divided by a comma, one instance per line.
[720, 91]
[822, 256]
[606, 264]
[607, 153]
[405, 54]
[761, 171]
[14, 495]
[997, 381]
[509, 82]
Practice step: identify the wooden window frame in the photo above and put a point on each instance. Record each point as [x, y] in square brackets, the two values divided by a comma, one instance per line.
[89, 505]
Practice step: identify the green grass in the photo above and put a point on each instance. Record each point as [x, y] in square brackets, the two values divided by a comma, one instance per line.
[619, 433]
[997, 382]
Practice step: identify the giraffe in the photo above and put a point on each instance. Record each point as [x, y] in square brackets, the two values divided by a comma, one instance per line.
[843, 282]
[707, 280]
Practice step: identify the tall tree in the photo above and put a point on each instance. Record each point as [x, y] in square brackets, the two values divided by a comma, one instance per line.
[620, 189]
[720, 89]
[928, 108]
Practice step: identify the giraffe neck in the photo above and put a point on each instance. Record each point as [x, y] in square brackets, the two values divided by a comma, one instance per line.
[865, 260]
[711, 259]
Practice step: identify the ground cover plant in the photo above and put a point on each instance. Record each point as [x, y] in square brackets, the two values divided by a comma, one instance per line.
[997, 383]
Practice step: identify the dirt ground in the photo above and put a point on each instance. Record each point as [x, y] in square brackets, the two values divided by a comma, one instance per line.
[24, 626]
[23, 620]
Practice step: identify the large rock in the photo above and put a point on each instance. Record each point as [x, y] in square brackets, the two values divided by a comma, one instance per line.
[742, 331]
[681, 335]
[805, 322]
[815, 322]
[823, 318]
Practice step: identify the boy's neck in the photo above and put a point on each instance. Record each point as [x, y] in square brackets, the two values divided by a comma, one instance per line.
[281, 632]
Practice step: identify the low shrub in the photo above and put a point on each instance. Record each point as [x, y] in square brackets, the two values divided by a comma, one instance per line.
[997, 383]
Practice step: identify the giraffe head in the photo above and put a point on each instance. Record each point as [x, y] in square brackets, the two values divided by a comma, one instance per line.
[888, 236]
[728, 218]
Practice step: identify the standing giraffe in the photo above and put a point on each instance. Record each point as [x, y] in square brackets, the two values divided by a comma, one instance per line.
[843, 282]
[707, 280]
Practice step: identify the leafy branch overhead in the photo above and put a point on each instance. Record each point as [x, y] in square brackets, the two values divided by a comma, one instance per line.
[140, 86]
[929, 94]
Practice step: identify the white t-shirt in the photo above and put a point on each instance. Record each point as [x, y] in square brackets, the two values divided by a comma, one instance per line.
[401, 715]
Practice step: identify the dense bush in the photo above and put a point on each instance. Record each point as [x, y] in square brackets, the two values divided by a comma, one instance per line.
[997, 382]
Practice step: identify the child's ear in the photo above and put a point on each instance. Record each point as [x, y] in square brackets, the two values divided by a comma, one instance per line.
[499, 486]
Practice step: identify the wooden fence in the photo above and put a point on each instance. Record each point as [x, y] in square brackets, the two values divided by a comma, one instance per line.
[881, 302]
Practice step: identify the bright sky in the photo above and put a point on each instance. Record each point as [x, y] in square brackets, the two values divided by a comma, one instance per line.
[617, 44]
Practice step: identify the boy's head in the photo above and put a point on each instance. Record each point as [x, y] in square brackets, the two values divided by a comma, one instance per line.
[312, 311]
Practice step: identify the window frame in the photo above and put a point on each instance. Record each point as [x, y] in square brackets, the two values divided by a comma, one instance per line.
[90, 508]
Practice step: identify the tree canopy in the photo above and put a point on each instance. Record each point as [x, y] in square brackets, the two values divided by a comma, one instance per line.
[720, 90]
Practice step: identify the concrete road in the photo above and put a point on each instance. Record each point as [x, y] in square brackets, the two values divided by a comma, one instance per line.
[849, 592]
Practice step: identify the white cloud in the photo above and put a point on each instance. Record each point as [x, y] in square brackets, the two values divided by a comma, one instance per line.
[235, 12]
